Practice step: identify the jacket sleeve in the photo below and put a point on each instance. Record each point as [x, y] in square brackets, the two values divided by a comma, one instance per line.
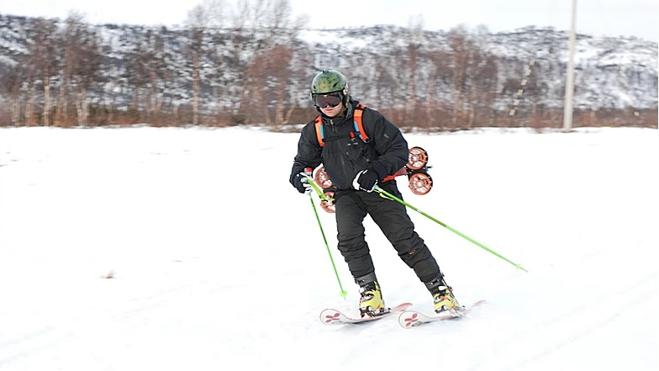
[389, 143]
[308, 151]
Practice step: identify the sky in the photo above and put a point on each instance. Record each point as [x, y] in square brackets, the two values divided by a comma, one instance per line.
[596, 17]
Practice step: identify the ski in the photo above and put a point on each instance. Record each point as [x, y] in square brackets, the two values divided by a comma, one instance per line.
[336, 317]
[411, 318]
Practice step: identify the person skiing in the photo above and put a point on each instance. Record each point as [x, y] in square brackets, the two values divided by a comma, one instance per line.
[356, 160]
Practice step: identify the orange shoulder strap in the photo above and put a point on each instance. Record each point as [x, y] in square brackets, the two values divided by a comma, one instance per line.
[359, 125]
[320, 131]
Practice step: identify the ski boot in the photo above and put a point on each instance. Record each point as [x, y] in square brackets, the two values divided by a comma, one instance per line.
[442, 295]
[370, 302]
[444, 300]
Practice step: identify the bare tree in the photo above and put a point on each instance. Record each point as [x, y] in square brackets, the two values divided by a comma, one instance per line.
[268, 75]
[414, 44]
[44, 58]
[69, 42]
[198, 19]
[279, 16]
[137, 75]
[249, 14]
[213, 15]
[266, 87]
[87, 73]
[487, 81]
[467, 60]
[11, 81]
[79, 72]
[215, 12]
[157, 73]
[439, 79]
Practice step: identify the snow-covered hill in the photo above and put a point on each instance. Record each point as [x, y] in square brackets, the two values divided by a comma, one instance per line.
[612, 72]
[187, 249]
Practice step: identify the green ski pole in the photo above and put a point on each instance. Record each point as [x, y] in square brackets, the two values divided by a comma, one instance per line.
[316, 188]
[321, 194]
[392, 197]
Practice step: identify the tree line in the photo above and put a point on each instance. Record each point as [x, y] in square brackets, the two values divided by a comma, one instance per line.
[248, 66]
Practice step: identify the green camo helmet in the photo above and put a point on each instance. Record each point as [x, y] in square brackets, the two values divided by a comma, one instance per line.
[329, 81]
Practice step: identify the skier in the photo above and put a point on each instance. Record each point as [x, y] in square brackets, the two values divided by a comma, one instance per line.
[357, 160]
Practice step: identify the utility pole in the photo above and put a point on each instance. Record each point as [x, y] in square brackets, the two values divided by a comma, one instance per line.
[569, 83]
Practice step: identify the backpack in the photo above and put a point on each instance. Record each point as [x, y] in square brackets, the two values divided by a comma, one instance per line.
[358, 125]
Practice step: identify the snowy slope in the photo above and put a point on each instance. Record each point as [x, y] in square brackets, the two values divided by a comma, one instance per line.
[218, 264]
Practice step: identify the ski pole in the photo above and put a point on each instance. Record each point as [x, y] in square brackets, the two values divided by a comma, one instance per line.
[318, 191]
[392, 197]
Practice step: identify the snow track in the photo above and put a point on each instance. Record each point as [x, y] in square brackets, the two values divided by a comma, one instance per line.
[144, 248]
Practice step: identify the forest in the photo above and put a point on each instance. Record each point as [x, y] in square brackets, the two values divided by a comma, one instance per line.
[253, 65]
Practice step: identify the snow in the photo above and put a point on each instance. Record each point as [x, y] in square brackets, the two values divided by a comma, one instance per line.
[321, 37]
[187, 249]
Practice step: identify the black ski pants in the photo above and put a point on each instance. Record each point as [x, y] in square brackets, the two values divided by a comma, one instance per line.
[392, 218]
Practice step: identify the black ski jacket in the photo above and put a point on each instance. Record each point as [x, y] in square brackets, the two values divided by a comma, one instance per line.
[345, 154]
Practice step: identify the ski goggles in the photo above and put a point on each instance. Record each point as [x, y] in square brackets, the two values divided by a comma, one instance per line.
[327, 100]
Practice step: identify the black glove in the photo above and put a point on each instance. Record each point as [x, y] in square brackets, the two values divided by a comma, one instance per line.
[299, 181]
[366, 180]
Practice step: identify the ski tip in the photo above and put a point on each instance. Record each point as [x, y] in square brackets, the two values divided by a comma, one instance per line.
[478, 302]
[330, 316]
[408, 319]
